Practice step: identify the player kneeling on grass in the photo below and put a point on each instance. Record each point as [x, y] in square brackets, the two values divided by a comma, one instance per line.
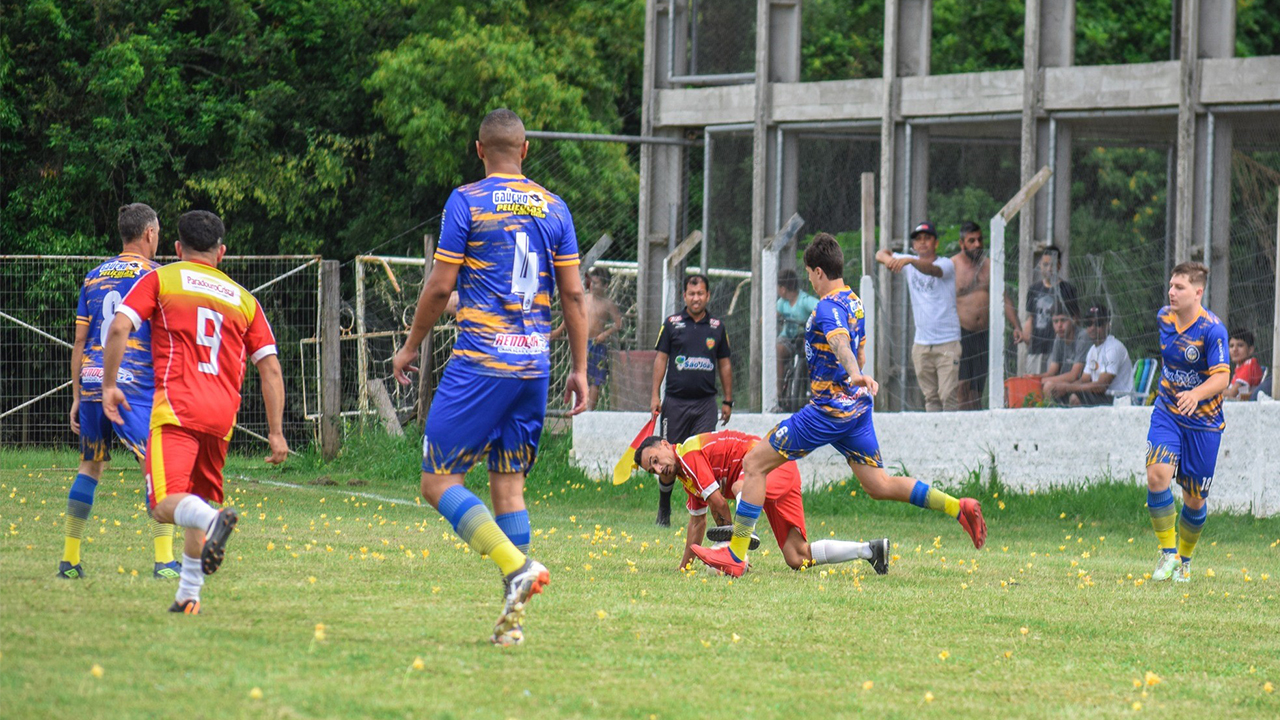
[1187, 421]
[203, 326]
[709, 466]
[838, 414]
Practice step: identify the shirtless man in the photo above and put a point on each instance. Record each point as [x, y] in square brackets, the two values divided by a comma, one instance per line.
[603, 321]
[973, 295]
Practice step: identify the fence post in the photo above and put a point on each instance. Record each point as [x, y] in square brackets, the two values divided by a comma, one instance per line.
[768, 290]
[362, 344]
[426, 355]
[1275, 318]
[330, 360]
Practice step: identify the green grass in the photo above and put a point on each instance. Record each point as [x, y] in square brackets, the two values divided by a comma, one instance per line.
[622, 633]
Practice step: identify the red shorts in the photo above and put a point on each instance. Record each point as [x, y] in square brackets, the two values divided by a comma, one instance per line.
[782, 503]
[184, 461]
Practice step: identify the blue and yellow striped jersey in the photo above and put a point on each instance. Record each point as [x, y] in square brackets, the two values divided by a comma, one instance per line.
[1189, 356]
[103, 289]
[508, 234]
[838, 312]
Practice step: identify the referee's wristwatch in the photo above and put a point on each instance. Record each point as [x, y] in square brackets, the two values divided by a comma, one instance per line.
[727, 402]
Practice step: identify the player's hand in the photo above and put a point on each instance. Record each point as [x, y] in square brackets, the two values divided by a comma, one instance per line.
[725, 412]
[1188, 401]
[75, 415]
[279, 448]
[867, 382]
[401, 362]
[112, 400]
[575, 391]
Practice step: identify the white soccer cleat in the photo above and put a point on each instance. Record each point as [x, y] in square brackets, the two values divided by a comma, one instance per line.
[521, 585]
[1165, 565]
[1183, 572]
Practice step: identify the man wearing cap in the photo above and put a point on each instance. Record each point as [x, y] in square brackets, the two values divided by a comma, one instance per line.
[932, 284]
[1108, 372]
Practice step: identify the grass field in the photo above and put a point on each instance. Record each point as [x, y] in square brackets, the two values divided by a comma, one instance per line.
[1052, 619]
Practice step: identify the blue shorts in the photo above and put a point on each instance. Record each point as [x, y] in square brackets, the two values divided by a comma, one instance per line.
[810, 429]
[473, 414]
[1193, 453]
[96, 430]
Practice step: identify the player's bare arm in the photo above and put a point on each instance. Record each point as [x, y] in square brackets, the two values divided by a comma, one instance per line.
[273, 399]
[844, 353]
[77, 359]
[693, 534]
[112, 354]
[1189, 400]
[574, 303]
[433, 300]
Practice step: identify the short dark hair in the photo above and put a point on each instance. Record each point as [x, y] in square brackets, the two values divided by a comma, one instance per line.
[200, 230]
[1060, 308]
[1243, 336]
[134, 219]
[1053, 250]
[645, 445]
[601, 272]
[824, 254]
[502, 131]
[789, 280]
[1196, 272]
[696, 278]
[970, 226]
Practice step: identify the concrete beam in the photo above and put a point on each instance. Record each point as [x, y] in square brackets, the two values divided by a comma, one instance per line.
[1240, 80]
[1111, 87]
[958, 94]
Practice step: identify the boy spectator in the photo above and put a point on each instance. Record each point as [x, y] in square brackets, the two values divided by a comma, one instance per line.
[1037, 330]
[794, 308]
[1070, 348]
[1108, 372]
[1247, 372]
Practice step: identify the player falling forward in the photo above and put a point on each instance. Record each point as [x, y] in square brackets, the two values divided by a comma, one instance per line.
[203, 327]
[838, 414]
[1187, 422]
[501, 239]
[100, 294]
[709, 466]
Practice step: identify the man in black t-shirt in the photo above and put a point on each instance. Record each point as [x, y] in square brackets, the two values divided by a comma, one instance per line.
[692, 349]
[1042, 297]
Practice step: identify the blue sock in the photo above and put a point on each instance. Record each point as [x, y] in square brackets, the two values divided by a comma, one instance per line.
[920, 495]
[82, 489]
[454, 504]
[516, 526]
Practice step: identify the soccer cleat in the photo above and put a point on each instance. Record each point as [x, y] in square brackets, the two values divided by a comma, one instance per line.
[724, 533]
[521, 586]
[190, 606]
[1183, 572]
[1165, 565]
[167, 571]
[215, 544]
[720, 558]
[970, 518]
[67, 571]
[880, 555]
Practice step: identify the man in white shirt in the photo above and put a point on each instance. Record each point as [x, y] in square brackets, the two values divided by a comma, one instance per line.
[932, 283]
[1108, 372]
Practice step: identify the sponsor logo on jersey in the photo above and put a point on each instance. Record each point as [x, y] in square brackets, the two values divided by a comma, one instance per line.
[711, 343]
[693, 363]
[120, 269]
[531, 344]
[519, 202]
[1182, 378]
[94, 375]
[211, 286]
[715, 323]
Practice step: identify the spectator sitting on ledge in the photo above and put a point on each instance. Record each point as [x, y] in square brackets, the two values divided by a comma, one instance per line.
[1108, 372]
[1071, 345]
[1247, 372]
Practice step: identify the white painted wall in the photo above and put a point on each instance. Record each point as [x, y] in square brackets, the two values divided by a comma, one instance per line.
[1032, 448]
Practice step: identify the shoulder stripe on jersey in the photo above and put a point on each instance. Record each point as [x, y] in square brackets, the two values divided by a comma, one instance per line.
[836, 331]
[565, 263]
[450, 253]
[447, 258]
[263, 351]
[131, 314]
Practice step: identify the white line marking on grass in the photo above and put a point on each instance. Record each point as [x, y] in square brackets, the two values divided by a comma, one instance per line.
[295, 486]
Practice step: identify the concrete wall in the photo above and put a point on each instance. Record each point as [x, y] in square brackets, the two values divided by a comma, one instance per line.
[1032, 448]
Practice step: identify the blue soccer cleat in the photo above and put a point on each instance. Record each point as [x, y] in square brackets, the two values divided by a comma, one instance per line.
[167, 571]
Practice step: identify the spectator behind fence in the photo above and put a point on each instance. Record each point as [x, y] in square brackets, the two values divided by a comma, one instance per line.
[603, 321]
[931, 281]
[794, 308]
[1108, 372]
[692, 348]
[1247, 372]
[1070, 350]
[973, 297]
[1042, 296]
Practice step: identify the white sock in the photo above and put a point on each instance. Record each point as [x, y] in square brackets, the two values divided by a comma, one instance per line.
[194, 512]
[191, 580]
[827, 552]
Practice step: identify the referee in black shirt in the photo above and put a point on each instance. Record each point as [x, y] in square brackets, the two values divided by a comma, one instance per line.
[692, 347]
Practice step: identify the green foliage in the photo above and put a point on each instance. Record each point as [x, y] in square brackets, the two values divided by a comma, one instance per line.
[1111, 33]
[976, 35]
[841, 41]
[1257, 27]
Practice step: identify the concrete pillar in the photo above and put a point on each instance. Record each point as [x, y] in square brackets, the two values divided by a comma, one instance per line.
[1053, 139]
[1212, 184]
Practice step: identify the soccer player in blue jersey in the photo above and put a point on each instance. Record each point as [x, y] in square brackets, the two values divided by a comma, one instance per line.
[506, 244]
[838, 414]
[104, 287]
[1187, 422]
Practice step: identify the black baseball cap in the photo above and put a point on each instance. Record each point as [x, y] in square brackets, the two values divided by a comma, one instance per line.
[926, 228]
[1097, 312]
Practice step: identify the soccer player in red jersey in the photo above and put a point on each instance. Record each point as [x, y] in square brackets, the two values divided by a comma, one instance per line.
[203, 327]
[709, 466]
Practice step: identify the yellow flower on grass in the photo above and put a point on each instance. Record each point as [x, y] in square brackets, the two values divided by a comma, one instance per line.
[419, 664]
[312, 579]
[271, 546]
[944, 655]
[1209, 573]
[868, 685]
[1268, 688]
[320, 632]
[1024, 630]
[255, 694]
[1137, 706]
[928, 697]
[1008, 654]
[602, 614]
[97, 670]
[1152, 679]
[705, 643]
[1137, 683]
[735, 637]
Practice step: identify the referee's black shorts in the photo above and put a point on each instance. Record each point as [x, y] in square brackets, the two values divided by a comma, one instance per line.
[683, 418]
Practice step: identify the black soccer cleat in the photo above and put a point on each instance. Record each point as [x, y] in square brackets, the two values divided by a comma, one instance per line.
[67, 571]
[724, 533]
[215, 544]
[880, 555]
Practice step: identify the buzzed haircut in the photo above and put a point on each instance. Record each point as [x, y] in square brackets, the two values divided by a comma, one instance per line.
[200, 230]
[647, 443]
[824, 254]
[1060, 308]
[1195, 272]
[969, 226]
[134, 219]
[1243, 336]
[502, 132]
[789, 280]
[1053, 250]
[695, 279]
[600, 273]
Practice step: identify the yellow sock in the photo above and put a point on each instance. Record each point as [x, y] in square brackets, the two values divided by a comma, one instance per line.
[1163, 518]
[488, 539]
[162, 537]
[942, 502]
[71, 547]
[744, 523]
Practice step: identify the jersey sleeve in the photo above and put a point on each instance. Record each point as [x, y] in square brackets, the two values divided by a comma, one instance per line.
[664, 338]
[1215, 349]
[831, 319]
[259, 340]
[82, 309]
[1249, 372]
[141, 302]
[702, 481]
[566, 252]
[722, 347]
[455, 225]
